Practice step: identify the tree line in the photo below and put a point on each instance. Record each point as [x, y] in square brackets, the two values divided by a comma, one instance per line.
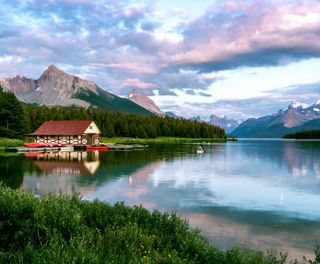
[309, 134]
[17, 119]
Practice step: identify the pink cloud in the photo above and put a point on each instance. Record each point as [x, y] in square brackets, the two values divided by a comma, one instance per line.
[247, 29]
[128, 66]
[138, 84]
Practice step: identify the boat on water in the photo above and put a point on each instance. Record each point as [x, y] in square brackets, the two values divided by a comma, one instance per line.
[200, 150]
[100, 148]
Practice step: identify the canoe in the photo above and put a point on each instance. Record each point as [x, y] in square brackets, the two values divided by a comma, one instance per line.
[42, 145]
[33, 154]
[100, 148]
[34, 145]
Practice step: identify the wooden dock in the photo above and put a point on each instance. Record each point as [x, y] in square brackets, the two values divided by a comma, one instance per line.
[75, 148]
[126, 147]
[44, 149]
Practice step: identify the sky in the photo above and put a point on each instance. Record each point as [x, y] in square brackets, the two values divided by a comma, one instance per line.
[240, 59]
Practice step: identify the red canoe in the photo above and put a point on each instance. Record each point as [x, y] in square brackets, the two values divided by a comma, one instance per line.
[100, 148]
[42, 145]
[33, 154]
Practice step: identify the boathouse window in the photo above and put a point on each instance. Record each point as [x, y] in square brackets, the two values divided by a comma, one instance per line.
[90, 127]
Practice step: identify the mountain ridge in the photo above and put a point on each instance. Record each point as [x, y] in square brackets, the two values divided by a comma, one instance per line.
[294, 118]
[136, 96]
[55, 87]
[227, 124]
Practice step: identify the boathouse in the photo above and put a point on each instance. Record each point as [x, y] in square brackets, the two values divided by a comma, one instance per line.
[74, 132]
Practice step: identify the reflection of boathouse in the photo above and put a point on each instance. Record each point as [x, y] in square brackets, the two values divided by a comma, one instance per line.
[75, 132]
[69, 163]
[61, 171]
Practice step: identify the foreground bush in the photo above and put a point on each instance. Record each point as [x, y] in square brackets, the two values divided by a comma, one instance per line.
[69, 230]
[9, 142]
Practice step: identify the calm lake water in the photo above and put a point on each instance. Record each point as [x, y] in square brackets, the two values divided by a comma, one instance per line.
[255, 193]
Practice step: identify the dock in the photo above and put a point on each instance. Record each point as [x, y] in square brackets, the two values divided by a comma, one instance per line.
[125, 147]
[44, 149]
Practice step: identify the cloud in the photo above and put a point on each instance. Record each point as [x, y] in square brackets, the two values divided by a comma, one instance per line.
[170, 52]
[136, 83]
[134, 67]
[308, 93]
[251, 33]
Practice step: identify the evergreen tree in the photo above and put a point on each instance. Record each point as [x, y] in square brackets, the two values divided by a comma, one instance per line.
[12, 119]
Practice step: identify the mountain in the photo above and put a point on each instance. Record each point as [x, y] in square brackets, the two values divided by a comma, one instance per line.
[171, 114]
[57, 88]
[227, 124]
[296, 117]
[197, 118]
[144, 101]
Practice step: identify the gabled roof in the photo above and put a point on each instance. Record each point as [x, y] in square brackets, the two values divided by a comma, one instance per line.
[62, 128]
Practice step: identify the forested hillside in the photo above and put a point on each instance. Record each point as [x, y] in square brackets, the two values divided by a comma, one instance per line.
[309, 134]
[17, 119]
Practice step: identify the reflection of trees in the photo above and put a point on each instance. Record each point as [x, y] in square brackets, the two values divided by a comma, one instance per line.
[95, 168]
[115, 164]
[13, 168]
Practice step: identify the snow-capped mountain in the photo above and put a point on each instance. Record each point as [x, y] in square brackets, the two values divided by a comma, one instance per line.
[296, 117]
[227, 124]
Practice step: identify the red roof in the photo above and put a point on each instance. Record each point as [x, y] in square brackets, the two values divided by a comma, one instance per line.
[62, 128]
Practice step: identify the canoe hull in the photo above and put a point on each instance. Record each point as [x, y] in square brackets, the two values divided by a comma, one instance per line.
[42, 145]
[99, 148]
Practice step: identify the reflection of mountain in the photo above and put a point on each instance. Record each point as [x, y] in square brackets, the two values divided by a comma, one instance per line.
[143, 174]
[299, 158]
[261, 231]
[240, 193]
[82, 172]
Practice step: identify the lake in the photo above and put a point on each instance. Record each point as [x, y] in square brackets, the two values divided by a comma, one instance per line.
[259, 194]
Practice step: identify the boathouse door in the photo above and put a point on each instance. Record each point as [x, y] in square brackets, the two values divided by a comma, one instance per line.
[90, 139]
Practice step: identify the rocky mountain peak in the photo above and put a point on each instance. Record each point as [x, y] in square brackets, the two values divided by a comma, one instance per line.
[54, 71]
[57, 88]
[296, 105]
[227, 124]
[141, 99]
[297, 117]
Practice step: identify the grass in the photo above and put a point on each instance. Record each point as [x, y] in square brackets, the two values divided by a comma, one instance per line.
[70, 230]
[129, 140]
[9, 142]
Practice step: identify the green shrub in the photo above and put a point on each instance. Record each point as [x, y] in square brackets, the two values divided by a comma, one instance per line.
[9, 142]
[70, 230]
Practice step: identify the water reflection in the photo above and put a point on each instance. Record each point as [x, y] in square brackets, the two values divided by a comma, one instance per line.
[60, 172]
[67, 163]
[260, 194]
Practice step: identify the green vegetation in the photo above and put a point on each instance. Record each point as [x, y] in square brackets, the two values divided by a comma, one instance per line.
[130, 140]
[70, 230]
[111, 103]
[11, 115]
[17, 119]
[124, 125]
[309, 134]
[9, 142]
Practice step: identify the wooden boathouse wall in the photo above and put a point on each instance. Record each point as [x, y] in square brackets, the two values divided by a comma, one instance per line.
[69, 132]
